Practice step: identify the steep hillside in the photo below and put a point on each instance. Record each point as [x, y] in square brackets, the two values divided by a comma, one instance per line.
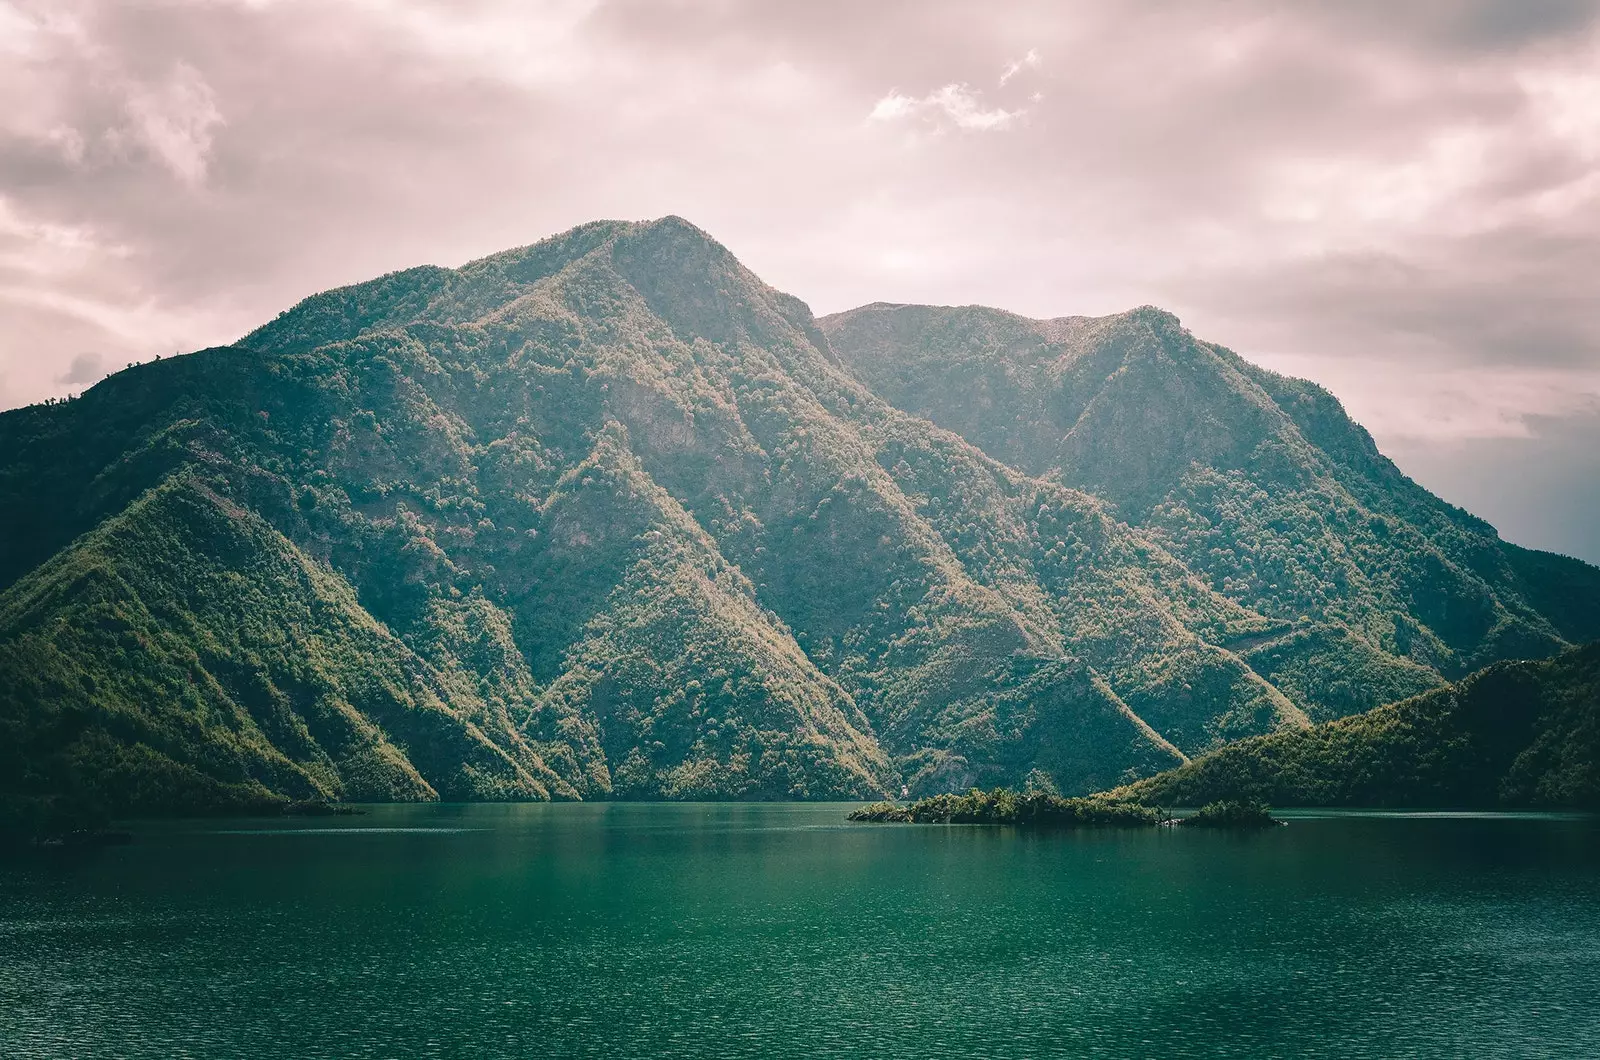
[1258, 483]
[185, 653]
[1515, 734]
[623, 512]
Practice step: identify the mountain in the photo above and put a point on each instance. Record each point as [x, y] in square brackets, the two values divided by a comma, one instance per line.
[185, 653]
[1258, 483]
[609, 517]
[1514, 734]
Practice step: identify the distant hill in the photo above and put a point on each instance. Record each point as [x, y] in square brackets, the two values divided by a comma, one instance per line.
[608, 517]
[1515, 734]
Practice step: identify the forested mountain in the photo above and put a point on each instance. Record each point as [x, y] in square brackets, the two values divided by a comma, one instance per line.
[1260, 484]
[608, 517]
[1515, 734]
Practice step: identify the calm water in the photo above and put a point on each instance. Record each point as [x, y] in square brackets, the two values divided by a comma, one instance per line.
[780, 930]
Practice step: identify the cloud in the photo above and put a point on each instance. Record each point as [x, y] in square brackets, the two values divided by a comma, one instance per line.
[45, 251]
[1425, 402]
[175, 120]
[1402, 202]
[85, 368]
[956, 103]
[1016, 66]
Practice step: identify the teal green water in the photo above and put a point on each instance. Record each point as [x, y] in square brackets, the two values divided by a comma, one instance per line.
[781, 930]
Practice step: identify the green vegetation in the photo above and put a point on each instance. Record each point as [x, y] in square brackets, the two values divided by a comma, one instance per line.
[1259, 484]
[1004, 806]
[1515, 734]
[608, 517]
[1231, 813]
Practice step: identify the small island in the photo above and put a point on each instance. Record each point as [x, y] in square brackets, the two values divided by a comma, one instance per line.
[1045, 810]
[1232, 813]
[1004, 806]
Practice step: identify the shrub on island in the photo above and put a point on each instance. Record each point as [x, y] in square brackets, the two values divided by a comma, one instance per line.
[1232, 813]
[1004, 806]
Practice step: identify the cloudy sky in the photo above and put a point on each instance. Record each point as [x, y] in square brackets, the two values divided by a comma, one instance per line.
[1399, 201]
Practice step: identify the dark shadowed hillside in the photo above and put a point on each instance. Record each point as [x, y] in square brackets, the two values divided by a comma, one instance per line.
[1515, 734]
[609, 517]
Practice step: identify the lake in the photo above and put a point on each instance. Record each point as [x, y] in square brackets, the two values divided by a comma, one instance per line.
[779, 930]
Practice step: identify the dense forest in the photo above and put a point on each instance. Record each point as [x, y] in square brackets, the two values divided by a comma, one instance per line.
[1516, 734]
[608, 517]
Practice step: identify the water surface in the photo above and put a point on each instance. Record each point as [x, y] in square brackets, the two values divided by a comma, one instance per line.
[628, 930]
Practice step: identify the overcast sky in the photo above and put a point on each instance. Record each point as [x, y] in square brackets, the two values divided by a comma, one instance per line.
[1400, 201]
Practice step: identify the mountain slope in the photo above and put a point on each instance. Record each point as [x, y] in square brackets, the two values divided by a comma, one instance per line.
[1258, 483]
[639, 526]
[184, 654]
[1515, 734]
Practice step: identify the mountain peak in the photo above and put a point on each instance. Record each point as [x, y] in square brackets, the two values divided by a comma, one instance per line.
[606, 492]
[689, 279]
[1154, 316]
[674, 225]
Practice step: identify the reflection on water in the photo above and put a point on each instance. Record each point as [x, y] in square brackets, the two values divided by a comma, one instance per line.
[779, 930]
[353, 833]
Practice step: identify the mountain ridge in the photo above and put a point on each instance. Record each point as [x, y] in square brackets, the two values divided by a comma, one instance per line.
[1051, 390]
[618, 491]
